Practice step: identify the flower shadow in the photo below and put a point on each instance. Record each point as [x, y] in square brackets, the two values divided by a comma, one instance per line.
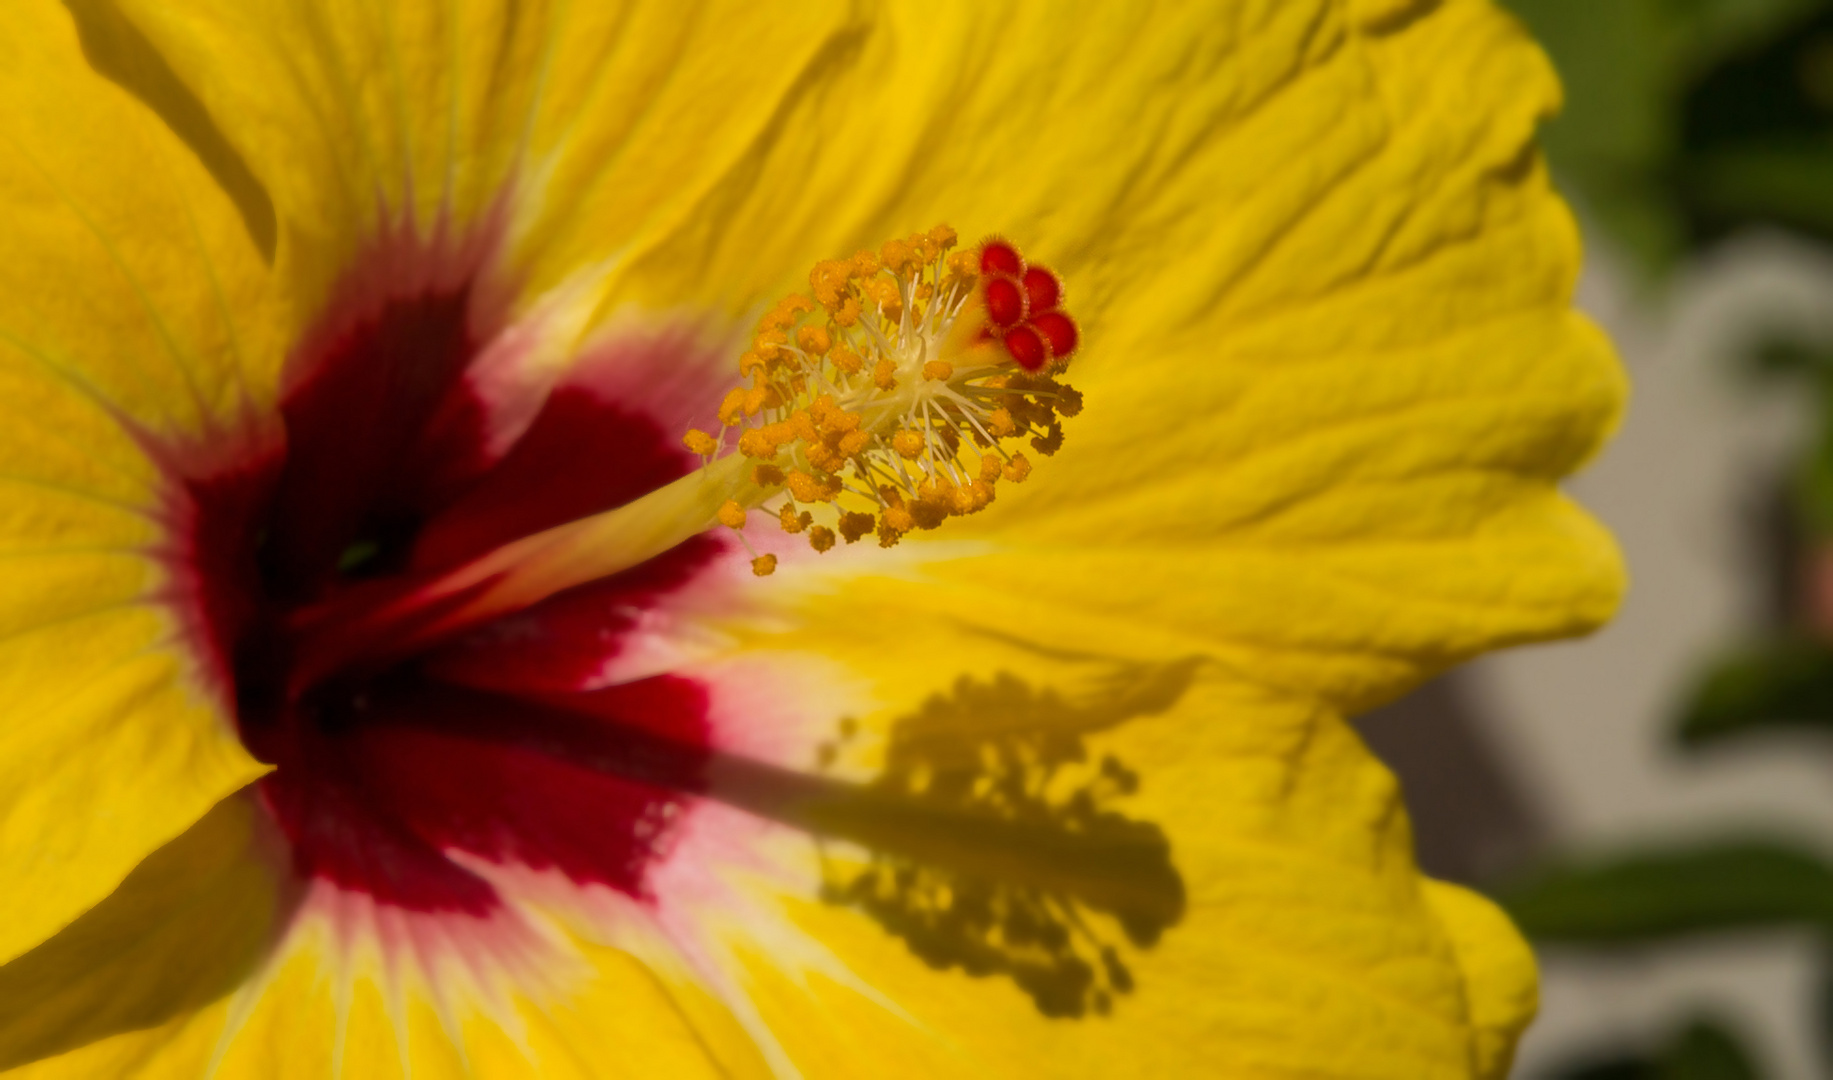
[991, 841]
[117, 50]
[184, 929]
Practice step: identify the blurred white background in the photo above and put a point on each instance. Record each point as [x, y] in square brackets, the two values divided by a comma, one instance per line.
[1566, 746]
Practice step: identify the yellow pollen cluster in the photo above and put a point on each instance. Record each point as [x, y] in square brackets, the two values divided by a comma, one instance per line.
[877, 405]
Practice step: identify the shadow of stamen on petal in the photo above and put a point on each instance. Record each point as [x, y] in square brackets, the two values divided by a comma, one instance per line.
[992, 841]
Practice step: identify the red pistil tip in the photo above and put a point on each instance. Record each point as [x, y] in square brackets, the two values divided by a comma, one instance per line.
[885, 400]
[1042, 289]
[1027, 347]
[1023, 303]
[1005, 302]
[1058, 331]
[999, 257]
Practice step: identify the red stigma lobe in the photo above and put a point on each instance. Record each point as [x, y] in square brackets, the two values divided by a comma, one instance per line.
[1022, 305]
[999, 257]
[1058, 331]
[1042, 289]
[1027, 347]
[1005, 303]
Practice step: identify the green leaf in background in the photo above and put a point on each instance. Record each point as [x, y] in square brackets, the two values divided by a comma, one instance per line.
[1630, 69]
[1790, 356]
[1778, 684]
[1823, 1008]
[1614, 1068]
[1705, 1049]
[1652, 894]
[1757, 136]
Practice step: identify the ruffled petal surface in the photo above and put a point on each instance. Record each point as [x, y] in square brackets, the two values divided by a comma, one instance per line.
[1036, 863]
[1070, 862]
[1330, 360]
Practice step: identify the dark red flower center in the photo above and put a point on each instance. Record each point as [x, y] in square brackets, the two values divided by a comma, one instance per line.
[392, 774]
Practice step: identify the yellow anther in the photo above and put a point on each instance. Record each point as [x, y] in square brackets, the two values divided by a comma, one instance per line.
[854, 525]
[929, 514]
[814, 340]
[769, 343]
[896, 256]
[791, 521]
[764, 565]
[757, 443]
[732, 409]
[805, 488]
[829, 280]
[908, 444]
[884, 294]
[864, 393]
[824, 457]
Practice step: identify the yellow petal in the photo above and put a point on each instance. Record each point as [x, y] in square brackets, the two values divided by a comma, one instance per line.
[593, 127]
[181, 933]
[1332, 382]
[1337, 416]
[1503, 987]
[1330, 362]
[1331, 369]
[1061, 863]
[178, 976]
[130, 293]
[1250, 887]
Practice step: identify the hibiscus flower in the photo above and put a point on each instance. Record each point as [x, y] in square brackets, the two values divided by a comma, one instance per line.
[529, 550]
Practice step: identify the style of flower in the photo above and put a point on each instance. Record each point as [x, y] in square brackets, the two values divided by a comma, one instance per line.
[505, 570]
